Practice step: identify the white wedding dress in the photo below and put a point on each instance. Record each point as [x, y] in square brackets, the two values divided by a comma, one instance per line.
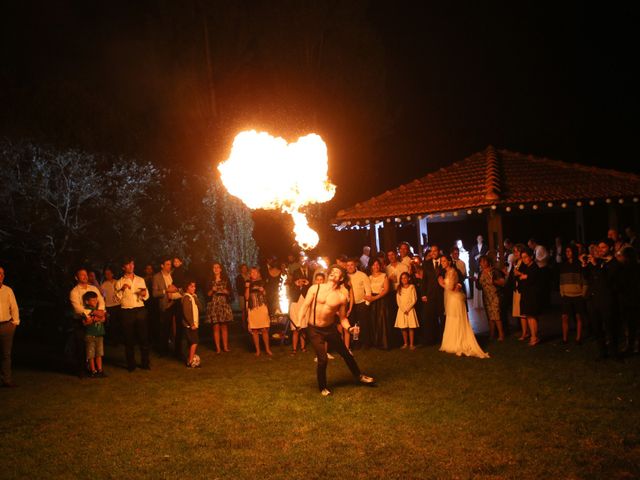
[458, 336]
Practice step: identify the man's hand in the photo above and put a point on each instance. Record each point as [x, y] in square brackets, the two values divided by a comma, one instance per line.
[125, 286]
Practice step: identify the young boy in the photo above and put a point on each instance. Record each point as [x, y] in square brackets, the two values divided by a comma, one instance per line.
[191, 308]
[94, 334]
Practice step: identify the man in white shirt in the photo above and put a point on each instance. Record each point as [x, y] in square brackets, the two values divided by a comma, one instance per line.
[361, 286]
[541, 255]
[364, 259]
[404, 249]
[132, 292]
[394, 269]
[460, 266]
[457, 262]
[9, 320]
[75, 297]
[168, 296]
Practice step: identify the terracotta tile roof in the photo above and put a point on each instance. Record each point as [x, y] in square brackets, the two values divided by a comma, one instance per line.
[496, 177]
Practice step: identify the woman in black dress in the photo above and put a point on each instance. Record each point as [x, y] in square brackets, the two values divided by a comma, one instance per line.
[381, 331]
[531, 286]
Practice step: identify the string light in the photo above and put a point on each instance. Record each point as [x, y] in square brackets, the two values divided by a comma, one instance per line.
[592, 202]
[535, 207]
[508, 209]
[469, 212]
[579, 203]
[563, 205]
[521, 207]
[479, 210]
[550, 204]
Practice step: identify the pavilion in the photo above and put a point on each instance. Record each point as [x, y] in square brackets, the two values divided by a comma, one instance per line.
[493, 184]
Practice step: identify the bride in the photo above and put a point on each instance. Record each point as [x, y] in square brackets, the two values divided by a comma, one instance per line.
[458, 336]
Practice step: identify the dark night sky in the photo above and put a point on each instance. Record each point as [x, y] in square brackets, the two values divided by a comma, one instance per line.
[402, 88]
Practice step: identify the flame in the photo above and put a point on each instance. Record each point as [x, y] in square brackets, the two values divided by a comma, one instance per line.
[267, 172]
[283, 298]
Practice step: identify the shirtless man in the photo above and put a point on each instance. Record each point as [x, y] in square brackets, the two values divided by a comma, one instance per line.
[323, 302]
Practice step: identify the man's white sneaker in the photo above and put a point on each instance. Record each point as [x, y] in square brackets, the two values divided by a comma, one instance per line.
[367, 380]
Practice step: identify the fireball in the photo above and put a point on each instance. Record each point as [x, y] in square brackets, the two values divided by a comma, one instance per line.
[267, 172]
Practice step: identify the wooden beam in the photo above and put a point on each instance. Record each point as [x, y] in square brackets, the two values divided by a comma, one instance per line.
[389, 236]
[373, 239]
[494, 226]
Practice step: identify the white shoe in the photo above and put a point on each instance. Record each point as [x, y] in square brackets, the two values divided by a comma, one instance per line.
[330, 357]
[366, 380]
[325, 392]
[315, 359]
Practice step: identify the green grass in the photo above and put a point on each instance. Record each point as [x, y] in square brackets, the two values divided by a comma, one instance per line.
[524, 413]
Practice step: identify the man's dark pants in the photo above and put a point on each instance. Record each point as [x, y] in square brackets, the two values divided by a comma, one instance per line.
[7, 330]
[134, 324]
[318, 337]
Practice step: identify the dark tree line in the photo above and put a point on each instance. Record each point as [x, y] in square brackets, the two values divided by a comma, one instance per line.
[61, 209]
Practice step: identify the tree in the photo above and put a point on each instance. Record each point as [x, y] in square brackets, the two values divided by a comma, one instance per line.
[61, 208]
[230, 229]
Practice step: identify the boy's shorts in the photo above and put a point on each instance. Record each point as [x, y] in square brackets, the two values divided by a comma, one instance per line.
[192, 336]
[95, 346]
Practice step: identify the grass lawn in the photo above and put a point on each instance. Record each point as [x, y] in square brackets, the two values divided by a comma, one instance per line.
[548, 412]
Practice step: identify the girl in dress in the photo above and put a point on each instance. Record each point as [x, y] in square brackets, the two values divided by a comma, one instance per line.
[406, 318]
[258, 312]
[458, 336]
[219, 306]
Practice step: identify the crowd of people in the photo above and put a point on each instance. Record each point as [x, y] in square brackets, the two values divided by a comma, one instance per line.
[393, 299]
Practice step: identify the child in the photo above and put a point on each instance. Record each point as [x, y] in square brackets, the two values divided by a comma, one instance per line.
[94, 331]
[191, 307]
[406, 319]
